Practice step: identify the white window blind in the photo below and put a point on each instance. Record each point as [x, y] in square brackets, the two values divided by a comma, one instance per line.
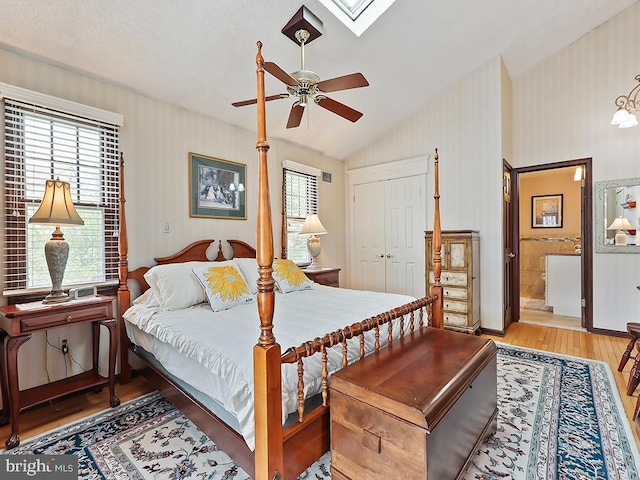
[300, 200]
[42, 143]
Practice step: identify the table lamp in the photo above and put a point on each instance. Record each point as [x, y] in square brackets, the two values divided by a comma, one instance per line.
[620, 224]
[56, 209]
[312, 227]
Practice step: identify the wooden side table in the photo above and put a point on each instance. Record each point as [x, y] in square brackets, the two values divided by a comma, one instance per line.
[19, 322]
[325, 276]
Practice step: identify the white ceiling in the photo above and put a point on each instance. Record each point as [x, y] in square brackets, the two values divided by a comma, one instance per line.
[200, 54]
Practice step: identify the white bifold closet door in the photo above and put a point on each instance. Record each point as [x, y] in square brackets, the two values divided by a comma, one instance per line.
[390, 220]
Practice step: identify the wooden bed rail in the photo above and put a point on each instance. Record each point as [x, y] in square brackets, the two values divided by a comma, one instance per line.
[321, 344]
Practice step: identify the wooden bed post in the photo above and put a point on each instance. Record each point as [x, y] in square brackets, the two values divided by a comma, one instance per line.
[266, 354]
[436, 289]
[124, 295]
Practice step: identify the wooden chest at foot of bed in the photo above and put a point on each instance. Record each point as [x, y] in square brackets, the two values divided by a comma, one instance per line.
[414, 410]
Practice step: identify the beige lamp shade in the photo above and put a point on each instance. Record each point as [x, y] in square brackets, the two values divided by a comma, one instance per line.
[313, 226]
[620, 224]
[56, 209]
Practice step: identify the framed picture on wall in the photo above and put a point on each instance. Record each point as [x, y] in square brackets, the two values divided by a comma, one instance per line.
[546, 211]
[217, 188]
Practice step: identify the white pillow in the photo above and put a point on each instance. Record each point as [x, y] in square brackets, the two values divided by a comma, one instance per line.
[175, 286]
[289, 277]
[148, 299]
[224, 285]
[249, 269]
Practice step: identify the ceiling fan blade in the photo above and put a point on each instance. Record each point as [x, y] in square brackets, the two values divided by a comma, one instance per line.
[338, 108]
[295, 116]
[355, 80]
[255, 100]
[280, 74]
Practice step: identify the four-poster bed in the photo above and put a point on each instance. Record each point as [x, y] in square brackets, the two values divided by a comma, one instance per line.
[280, 451]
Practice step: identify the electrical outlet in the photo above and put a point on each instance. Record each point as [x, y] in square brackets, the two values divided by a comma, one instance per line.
[64, 346]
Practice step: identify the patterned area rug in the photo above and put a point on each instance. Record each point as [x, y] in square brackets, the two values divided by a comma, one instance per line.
[560, 418]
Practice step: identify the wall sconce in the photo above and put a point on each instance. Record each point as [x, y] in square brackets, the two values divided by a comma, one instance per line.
[620, 224]
[627, 104]
[56, 209]
[312, 227]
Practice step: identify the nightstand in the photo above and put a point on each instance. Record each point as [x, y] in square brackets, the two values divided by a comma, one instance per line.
[324, 276]
[19, 322]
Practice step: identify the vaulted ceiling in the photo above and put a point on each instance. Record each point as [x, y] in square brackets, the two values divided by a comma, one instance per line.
[200, 54]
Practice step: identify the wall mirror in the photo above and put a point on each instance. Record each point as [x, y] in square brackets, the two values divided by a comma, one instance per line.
[617, 227]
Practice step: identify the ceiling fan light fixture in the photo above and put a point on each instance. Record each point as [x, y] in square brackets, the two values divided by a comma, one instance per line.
[306, 85]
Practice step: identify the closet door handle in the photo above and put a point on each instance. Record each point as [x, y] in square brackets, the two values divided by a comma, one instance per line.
[380, 255]
[389, 255]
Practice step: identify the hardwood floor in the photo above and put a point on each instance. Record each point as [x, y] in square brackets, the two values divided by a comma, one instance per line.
[569, 342]
[72, 408]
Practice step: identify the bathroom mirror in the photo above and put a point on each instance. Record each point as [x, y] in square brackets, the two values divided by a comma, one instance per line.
[617, 205]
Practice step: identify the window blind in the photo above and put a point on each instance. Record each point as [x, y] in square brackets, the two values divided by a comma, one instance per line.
[300, 200]
[42, 143]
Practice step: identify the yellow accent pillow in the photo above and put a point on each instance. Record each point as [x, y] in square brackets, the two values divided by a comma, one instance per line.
[289, 277]
[224, 285]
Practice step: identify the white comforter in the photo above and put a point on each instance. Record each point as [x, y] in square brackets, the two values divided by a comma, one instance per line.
[222, 342]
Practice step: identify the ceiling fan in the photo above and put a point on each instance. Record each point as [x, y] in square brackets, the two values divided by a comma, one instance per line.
[306, 86]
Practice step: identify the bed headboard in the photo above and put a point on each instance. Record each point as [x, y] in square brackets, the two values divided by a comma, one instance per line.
[195, 252]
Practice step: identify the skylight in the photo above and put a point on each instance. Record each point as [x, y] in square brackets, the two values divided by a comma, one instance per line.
[357, 15]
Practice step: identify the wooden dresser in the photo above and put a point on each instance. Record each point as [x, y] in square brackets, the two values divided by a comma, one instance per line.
[460, 278]
[417, 409]
[325, 276]
[19, 322]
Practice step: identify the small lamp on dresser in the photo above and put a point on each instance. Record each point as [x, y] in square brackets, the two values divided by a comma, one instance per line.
[620, 224]
[56, 209]
[313, 227]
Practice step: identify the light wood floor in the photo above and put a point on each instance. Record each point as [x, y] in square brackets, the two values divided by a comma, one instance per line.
[569, 342]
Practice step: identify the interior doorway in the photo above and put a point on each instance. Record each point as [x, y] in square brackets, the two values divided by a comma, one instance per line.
[549, 253]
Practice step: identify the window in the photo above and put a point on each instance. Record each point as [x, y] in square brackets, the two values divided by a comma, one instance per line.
[300, 198]
[43, 143]
[357, 15]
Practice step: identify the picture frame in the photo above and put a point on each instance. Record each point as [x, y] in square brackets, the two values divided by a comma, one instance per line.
[546, 211]
[217, 188]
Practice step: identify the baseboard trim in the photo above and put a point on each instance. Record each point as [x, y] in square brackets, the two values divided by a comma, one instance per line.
[491, 331]
[611, 333]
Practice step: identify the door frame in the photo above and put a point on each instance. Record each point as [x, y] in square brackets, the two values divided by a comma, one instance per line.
[511, 230]
[586, 235]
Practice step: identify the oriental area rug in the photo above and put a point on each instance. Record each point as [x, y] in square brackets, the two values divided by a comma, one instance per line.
[560, 418]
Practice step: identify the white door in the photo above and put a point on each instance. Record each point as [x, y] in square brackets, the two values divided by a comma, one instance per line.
[389, 236]
[405, 226]
[369, 237]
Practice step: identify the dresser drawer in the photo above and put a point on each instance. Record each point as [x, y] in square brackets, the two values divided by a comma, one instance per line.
[57, 319]
[456, 279]
[455, 319]
[455, 306]
[454, 293]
